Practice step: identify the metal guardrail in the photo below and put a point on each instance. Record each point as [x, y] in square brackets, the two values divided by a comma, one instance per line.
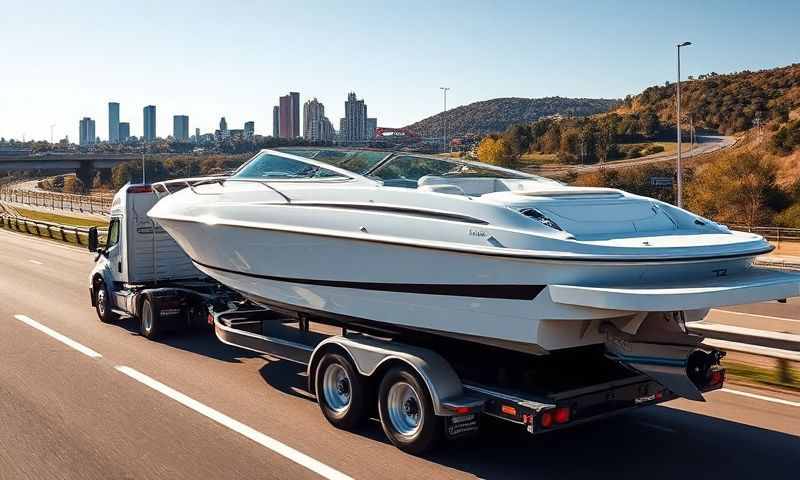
[93, 204]
[773, 234]
[66, 233]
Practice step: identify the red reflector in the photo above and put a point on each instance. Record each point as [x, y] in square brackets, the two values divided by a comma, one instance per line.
[210, 319]
[562, 415]
[717, 377]
[508, 410]
[463, 410]
[659, 395]
[547, 419]
[140, 189]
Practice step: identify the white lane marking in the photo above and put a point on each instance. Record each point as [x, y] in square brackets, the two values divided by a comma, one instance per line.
[756, 315]
[36, 262]
[657, 427]
[61, 338]
[761, 397]
[238, 427]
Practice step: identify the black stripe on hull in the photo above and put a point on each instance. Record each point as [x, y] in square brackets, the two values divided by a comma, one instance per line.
[508, 292]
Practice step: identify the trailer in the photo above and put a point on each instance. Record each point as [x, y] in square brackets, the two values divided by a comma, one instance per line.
[423, 388]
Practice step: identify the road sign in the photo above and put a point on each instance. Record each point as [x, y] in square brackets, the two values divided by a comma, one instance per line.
[664, 182]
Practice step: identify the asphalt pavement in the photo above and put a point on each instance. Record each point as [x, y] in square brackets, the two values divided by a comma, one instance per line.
[82, 399]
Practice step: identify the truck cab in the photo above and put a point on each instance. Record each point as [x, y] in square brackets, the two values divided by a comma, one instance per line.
[140, 271]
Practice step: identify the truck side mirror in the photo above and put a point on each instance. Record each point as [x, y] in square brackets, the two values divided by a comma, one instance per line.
[93, 239]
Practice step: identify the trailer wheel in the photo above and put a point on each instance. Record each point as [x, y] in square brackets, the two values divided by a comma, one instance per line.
[102, 303]
[406, 412]
[149, 320]
[341, 392]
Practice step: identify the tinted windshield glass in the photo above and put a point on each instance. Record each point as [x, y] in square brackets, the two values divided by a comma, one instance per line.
[406, 170]
[268, 166]
[358, 161]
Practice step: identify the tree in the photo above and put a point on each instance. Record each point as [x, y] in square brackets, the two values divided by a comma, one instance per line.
[603, 141]
[495, 151]
[738, 188]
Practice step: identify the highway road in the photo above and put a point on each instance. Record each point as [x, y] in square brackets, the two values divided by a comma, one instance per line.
[81, 399]
[705, 144]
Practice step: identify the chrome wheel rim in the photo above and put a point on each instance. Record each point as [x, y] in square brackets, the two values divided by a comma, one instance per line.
[336, 388]
[147, 319]
[101, 301]
[404, 408]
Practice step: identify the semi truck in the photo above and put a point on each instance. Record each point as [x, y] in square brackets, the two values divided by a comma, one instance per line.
[449, 386]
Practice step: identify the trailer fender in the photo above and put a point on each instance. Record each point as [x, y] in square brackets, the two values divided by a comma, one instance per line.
[369, 354]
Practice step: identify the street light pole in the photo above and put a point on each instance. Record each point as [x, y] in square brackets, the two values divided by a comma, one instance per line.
[444, 118]
[678, 121]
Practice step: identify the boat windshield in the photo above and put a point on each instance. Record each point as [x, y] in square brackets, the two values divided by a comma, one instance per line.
[357, 161]
[406, 170]
[268, 166]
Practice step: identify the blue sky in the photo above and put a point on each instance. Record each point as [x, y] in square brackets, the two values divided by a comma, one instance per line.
[60, 61]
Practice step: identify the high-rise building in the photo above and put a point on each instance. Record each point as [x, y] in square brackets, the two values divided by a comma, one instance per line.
[150, 123]
[197, 135]
[113, 122]
[223, 124]
[355, 114]
[372, 125]
[313, 113]
[327, 133]
[86, 132]
[124, 132]
[180, 128]
[249, 130]
[289, 115]
[276, 121]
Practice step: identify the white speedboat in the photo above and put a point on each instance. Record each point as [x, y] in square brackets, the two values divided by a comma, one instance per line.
[461, 249]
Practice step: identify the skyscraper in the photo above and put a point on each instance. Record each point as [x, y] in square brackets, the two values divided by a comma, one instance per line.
[355, 114]
[249, 130]
[150, 123]
[124, 132]
[113, 122]
[86, 133]
[276, 120]
[289, 115]
[372, 125]
[180, 128]
[223, 125]
[316, 126]
[197, 135]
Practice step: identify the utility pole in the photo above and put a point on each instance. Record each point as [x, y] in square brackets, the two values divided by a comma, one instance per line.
[678, 121]
[444, 118]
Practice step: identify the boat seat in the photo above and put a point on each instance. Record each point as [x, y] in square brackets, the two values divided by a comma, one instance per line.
[472, 186]
[443, 188]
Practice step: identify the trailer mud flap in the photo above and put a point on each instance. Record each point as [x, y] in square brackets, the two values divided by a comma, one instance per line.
[462, 425]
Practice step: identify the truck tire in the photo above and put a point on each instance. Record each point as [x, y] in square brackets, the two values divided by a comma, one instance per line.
[406, 412]
[341, 392]
[102, 303]
[149, 320]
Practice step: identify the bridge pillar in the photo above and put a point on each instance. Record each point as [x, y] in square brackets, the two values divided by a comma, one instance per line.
[85, 173]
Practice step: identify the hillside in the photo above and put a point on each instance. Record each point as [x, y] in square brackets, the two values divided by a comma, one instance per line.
[492, 116]
[729, 103]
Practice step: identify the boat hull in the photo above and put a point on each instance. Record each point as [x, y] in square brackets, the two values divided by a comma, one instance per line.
[493, 299]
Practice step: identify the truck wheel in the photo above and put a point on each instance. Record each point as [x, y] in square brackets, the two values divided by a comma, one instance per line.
[341, 392]
[102, 303]
[406, 412]
[149, 320]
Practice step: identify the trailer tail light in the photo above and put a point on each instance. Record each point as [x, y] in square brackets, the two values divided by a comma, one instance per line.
[462, 410]
[210, 320]
[717, 377]
[546, 419]
[561, 415]
[509, 410]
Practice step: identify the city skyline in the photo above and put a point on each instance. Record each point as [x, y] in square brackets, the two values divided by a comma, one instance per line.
[525, 49]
